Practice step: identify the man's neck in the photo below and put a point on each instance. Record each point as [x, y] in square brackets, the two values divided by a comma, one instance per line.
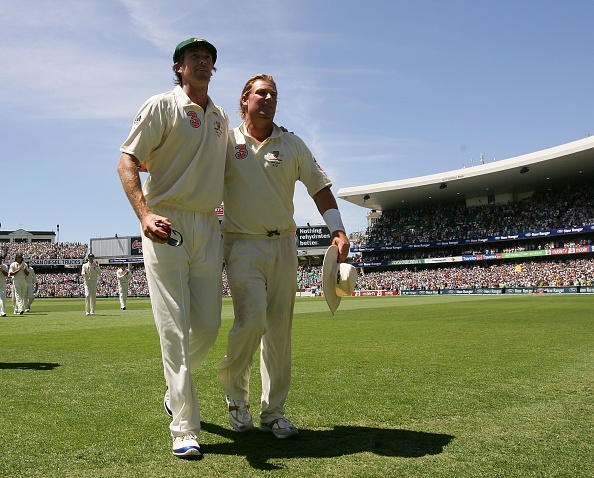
[198, 95]
[259, 131]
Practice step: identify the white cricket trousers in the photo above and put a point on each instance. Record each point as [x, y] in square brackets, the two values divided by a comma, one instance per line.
[185, 286]
[19, 293]
[30, 295]
[123, 293]
[262, 275]
[2, 298]
[90, 296]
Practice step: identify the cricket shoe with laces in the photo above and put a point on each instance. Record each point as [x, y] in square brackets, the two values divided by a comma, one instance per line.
[280, 428]
[240, 416]
[186, 446]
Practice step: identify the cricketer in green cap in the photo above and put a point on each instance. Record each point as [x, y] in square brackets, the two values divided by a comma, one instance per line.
[194, 41]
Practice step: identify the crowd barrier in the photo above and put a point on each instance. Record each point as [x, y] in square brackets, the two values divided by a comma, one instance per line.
[510, 290]
[495, 290]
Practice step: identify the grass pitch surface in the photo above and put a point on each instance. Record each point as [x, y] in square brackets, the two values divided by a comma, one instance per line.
[486, 386]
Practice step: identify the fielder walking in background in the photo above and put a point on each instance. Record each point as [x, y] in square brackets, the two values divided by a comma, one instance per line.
[3, 276]
[90, 272]
[18, 270]
[180, 139]
[31, 285]
[263, 165]
[123, 276]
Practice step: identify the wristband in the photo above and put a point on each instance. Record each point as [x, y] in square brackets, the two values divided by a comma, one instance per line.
[333, 220]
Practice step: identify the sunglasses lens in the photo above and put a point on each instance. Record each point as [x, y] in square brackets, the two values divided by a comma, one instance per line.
[175, 241]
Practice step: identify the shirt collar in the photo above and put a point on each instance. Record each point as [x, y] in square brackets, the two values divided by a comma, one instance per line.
[186, 101]
[276, 131]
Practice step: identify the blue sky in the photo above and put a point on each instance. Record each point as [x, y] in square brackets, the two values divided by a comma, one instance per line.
[379, 90]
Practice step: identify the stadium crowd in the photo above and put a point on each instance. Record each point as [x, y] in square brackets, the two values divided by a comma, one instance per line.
[484, 248]
[541, 212]
[71, 284]
[546, 211]
[518, 274]
[46, 250]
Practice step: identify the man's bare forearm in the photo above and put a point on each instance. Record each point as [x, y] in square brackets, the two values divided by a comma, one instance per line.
[128, 171]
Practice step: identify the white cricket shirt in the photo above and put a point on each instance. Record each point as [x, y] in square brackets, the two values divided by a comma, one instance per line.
[260, 181]
[183, 148]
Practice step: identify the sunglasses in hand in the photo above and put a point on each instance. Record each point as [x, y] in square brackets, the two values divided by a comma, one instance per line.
[174, 237]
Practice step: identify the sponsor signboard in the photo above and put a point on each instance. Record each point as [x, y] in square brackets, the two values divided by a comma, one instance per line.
[313, 236]
[56, 262]
[136, 246]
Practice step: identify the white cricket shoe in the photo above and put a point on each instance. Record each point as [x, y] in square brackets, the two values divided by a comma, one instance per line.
[280, 428]
[186, 446]
[240, 416]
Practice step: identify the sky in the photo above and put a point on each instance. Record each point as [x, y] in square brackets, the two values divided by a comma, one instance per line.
[380, 90]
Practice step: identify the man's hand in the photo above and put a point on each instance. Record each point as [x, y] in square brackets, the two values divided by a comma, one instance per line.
[340, 240]
[155, 233]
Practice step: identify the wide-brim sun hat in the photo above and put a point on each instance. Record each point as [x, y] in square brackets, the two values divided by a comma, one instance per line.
[338, 280]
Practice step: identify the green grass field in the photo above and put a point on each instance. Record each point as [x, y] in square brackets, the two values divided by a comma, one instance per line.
[486, 386]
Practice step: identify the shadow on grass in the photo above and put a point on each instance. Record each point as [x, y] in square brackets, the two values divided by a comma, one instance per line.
[28, 366]
[259, 447]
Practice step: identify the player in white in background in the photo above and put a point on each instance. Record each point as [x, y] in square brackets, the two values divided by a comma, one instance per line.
[18, 270]
[180, 138]
[90, 273]
[3, 276]
[123, 275]
[31, 284]
[263, 165]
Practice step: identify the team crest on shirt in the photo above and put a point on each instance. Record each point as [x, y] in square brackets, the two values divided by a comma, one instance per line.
[137, 120]
[194, 120]
[241, 151]
[217, 128]
[273, 158]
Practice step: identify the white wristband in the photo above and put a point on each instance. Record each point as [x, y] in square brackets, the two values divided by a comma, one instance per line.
[333, 220]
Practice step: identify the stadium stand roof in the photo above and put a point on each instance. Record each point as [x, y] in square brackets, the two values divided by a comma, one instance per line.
[567, 164]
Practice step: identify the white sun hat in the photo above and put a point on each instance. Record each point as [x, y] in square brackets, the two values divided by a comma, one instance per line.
[338, 280]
